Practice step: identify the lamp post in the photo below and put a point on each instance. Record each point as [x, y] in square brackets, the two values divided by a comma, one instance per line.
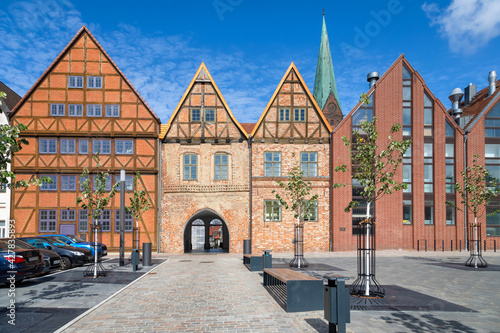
[122, 217]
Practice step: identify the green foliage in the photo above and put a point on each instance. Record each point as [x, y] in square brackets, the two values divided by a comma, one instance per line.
[372, 167]
[296, 191]
[95, 200]
[477, 189]
[139, 202]
[10, 143]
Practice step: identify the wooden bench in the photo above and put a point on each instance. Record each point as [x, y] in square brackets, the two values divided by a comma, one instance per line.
[253, 262]
[301, 292]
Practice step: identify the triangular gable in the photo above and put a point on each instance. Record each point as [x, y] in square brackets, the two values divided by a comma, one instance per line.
[202, 75]
[292, 70]
[63, 53]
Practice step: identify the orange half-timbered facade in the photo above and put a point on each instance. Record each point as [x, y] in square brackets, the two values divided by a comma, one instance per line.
[82, 105]
[205, 172]
[292, 131]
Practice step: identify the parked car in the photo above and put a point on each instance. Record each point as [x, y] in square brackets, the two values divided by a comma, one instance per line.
[24, 262]
[72, 240]
[52, 259]
[70, 255]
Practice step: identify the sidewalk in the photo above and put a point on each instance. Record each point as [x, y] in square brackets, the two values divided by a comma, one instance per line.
[216, 293]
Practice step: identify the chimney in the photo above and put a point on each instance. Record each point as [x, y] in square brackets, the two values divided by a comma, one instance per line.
[372, 78]
[455, 97]
[470, 91]
[492, 81]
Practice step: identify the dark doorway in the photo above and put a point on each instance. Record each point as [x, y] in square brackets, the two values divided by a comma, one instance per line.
[206, 231]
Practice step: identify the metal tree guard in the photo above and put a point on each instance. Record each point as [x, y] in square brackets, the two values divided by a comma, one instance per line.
[298, 260]
[476, 258]
[366, 285]
[95, 270]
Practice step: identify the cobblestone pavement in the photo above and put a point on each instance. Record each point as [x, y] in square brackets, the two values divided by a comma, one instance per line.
[216, 293]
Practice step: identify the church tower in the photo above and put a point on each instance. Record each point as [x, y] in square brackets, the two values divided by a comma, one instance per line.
[325, 88]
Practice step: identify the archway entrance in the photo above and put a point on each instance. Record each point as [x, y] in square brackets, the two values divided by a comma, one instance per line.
[206, 231]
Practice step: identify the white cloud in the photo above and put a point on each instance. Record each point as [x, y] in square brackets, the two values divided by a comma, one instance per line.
[467, 24]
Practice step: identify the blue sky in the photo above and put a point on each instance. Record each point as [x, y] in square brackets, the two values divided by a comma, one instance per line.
[248, 45]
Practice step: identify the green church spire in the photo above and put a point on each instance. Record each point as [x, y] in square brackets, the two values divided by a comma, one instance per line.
[324, 83]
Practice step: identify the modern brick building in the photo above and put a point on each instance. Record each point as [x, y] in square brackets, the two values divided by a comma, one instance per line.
[211, 179]
[82, 105]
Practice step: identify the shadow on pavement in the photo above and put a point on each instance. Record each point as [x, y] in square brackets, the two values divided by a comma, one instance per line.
[426, 323]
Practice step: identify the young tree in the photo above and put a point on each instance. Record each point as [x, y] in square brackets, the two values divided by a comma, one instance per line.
[296, 199]
[477, 190]
[10, 143]
[139, 202]
[373, 168]
[94, 198]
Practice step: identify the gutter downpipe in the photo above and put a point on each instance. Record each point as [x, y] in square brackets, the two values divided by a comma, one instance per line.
[160, 193]
[466, 211]
[250, 190]
[330, 239]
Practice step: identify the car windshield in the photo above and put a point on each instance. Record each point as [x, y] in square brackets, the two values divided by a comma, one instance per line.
[23, 244]
[75, 239]
[56, 241]
[4, 245]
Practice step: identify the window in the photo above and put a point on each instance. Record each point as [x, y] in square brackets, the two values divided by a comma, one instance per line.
[47, 146]
[190, 166]
[359, 212]
[68, 183]
[428, 115]
[429, 212]
[57, 110]
[493, 222]
[492, 123]
[75, 81]
[221, 167]
[47, 222]
[68, 146]
[428, 168]
[3, 188]
[210, 115]
[94, 82]
[407, 212]
[75, 110]
[68, 215]
[309, 164]
[195, 115]
[94, 110]
[312, 214]
[272, 211]
[82, 181]
[407, 102]
[101, 147]
[128, 221]
[450, 132]
[83, 146]
[124, 147]
[363, 114]
[407, 170]
[104, 221]
[107, 184]
[49, 186]
[83, 220]
[284, 114]
[450, 214]
[299, 115]
[129, 183]
[112, 110]
[272, 164]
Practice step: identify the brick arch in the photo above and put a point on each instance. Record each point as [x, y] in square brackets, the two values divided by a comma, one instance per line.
[206, 215]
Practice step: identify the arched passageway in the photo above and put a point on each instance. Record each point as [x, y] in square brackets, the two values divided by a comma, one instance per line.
[206, 231]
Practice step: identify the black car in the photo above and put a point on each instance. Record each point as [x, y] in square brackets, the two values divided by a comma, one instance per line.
[19, 264]
[70, 255]
[52, 259]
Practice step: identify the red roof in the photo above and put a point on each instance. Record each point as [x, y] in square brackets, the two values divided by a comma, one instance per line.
[248, 127]
[479, 102]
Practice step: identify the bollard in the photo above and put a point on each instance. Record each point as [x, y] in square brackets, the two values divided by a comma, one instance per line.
[134, 258]
[418, 246]
[460, 248]
[337, 301]
[267, 260]
[442, 245]
[247, 246]
[146, 254]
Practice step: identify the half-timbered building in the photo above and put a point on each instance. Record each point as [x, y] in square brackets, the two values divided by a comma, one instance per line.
[81, 105]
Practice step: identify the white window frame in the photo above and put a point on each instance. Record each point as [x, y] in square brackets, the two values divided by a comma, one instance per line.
[75, 81]
[94, 82]
[75, 110]
[57, 110]
[48, 148]
[67, 146]
[112, 110]
[94, 110]
[121, 147]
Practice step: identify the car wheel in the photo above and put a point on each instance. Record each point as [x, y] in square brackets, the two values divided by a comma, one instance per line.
[65, 263]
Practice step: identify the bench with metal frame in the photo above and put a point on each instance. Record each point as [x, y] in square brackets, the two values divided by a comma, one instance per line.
[301, 292]
[253, 262]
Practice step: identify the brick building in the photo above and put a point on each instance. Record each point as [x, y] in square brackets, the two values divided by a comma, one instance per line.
[83, 104]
